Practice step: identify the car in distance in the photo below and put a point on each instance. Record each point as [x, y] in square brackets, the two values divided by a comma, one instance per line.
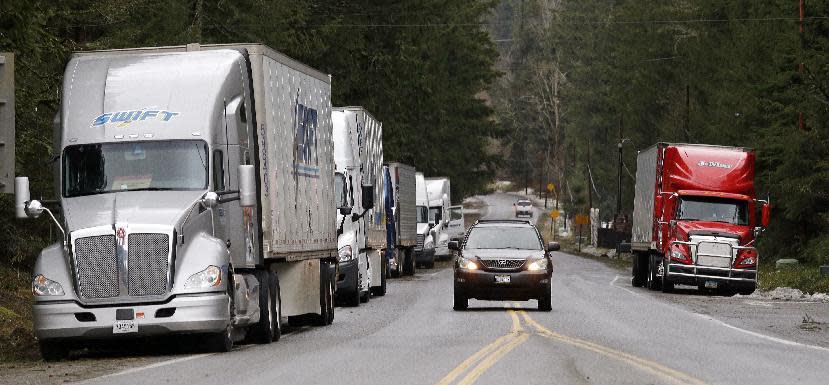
[523, 208]
[503, 260]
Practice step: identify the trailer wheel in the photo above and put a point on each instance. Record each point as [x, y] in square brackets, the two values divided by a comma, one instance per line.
[409, 264]
[365, 296]
[396, 273]
[277, 297]
[54, 350]
[326, 316]
[263, 331]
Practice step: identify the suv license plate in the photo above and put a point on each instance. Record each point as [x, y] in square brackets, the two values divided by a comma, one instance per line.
[120, 327]
[502, 279]
[711, 284]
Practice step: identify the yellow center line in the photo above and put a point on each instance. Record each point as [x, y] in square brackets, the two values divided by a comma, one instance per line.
[518, 338]
[669, 374]
[493, 348]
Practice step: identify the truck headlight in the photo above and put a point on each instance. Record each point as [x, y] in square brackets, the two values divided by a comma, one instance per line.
[538, 264]
[465, 263]
[42, 286]
[209, 277]
[344, 254]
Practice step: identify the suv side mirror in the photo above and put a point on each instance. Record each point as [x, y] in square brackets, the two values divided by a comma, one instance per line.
[368, 197]
[21, 196]
[453, 245]
[553, 246]
[247, 185]
[765, 216]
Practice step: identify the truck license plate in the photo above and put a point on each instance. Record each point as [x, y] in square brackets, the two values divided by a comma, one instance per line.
[711, 284]
[502, 279]
[120, 327]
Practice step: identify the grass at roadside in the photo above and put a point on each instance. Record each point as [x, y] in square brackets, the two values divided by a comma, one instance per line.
[17, 341]
[805, 278]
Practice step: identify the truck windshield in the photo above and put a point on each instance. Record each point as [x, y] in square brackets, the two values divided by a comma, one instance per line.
[524, 238]
[422, 214]
[713, 209]
[110, 167]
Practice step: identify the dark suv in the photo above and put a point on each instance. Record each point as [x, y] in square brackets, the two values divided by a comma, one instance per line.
[503, 260]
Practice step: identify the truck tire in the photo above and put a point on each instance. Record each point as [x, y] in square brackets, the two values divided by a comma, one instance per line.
[653, 281]
[638, 272]
[326, 316]
[365, 296]
[461, 302]
[398, 270]
[431, 263]
[409, 264]
[381, 290]
[223, 341]
[667, 285]
[263, 330]
[54, 350]
[277, 316]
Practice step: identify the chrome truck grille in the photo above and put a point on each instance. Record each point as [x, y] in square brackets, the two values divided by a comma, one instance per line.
[147, 264]
[420, 239]
[505, 264]
[716, 254]
[98, 269]
[96, 263]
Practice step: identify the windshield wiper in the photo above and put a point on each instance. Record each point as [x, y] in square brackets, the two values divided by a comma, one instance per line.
[146, 189]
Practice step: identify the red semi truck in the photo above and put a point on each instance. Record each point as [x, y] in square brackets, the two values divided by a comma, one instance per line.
[695, 218]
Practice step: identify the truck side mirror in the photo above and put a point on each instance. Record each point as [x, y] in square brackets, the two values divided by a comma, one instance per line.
[247, 185]
[368, 197]
[453, 245]
[21, 196]
[765, 215]
[345, 210]
[553, 246]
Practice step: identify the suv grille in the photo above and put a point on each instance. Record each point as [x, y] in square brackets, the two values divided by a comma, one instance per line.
[502, 264]
[97, 266]
[147, 261]
[420, 240]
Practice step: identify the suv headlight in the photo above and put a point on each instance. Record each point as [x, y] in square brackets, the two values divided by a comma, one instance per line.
[42, 286]
[538, 264]
[209, 277]
[344, 254]
[465, 263]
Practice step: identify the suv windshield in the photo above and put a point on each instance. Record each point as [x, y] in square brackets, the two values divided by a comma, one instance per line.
[524, 203]
[422, 214]
[110, 167]
[506, 237]
[713, 209]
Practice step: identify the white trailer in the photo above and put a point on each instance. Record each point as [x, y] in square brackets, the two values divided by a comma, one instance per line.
[402, 192]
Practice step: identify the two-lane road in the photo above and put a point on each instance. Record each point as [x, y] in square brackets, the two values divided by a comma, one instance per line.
[601, 331]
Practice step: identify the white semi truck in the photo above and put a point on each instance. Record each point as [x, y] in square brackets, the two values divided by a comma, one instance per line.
[425, 247]
[358, 148]
[447, 220]
[197, 192]
[402, 225]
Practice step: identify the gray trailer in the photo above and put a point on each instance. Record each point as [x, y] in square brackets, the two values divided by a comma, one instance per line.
[402, 190]
[196, 183]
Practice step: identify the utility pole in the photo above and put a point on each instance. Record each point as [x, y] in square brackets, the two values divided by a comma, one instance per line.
[687, 123]
[802, 8]
[619, 192]
[589, 191]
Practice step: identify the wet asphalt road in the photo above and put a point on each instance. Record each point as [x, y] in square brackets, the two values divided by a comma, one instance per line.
[601, 331]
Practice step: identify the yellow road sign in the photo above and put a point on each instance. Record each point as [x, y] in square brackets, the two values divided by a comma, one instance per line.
[582, 219]
[555, 214]
[551, 187]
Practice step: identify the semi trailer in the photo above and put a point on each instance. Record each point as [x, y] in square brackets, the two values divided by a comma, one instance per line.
[360, 220]
[696, 218]
[402, 224]
[197, 195]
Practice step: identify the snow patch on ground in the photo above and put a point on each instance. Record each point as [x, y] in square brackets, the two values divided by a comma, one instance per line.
[787, 294]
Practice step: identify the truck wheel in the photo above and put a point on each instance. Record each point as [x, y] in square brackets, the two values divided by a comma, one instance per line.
[545, 303]
[409, 264]
[381, 291]
[263, 330]
[638, 271]
[53, 350]
[461, 302]
[365, 296]
[277, 297]
[223, 341]
[653, 281]
[398, 269]
[667, 285]
[326, 316]
[431, 263]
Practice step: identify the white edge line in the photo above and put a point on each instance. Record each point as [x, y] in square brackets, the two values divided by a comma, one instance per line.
[151, 366]
[722, 323]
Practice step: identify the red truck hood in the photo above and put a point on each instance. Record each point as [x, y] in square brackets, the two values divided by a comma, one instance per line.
[686, 228]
